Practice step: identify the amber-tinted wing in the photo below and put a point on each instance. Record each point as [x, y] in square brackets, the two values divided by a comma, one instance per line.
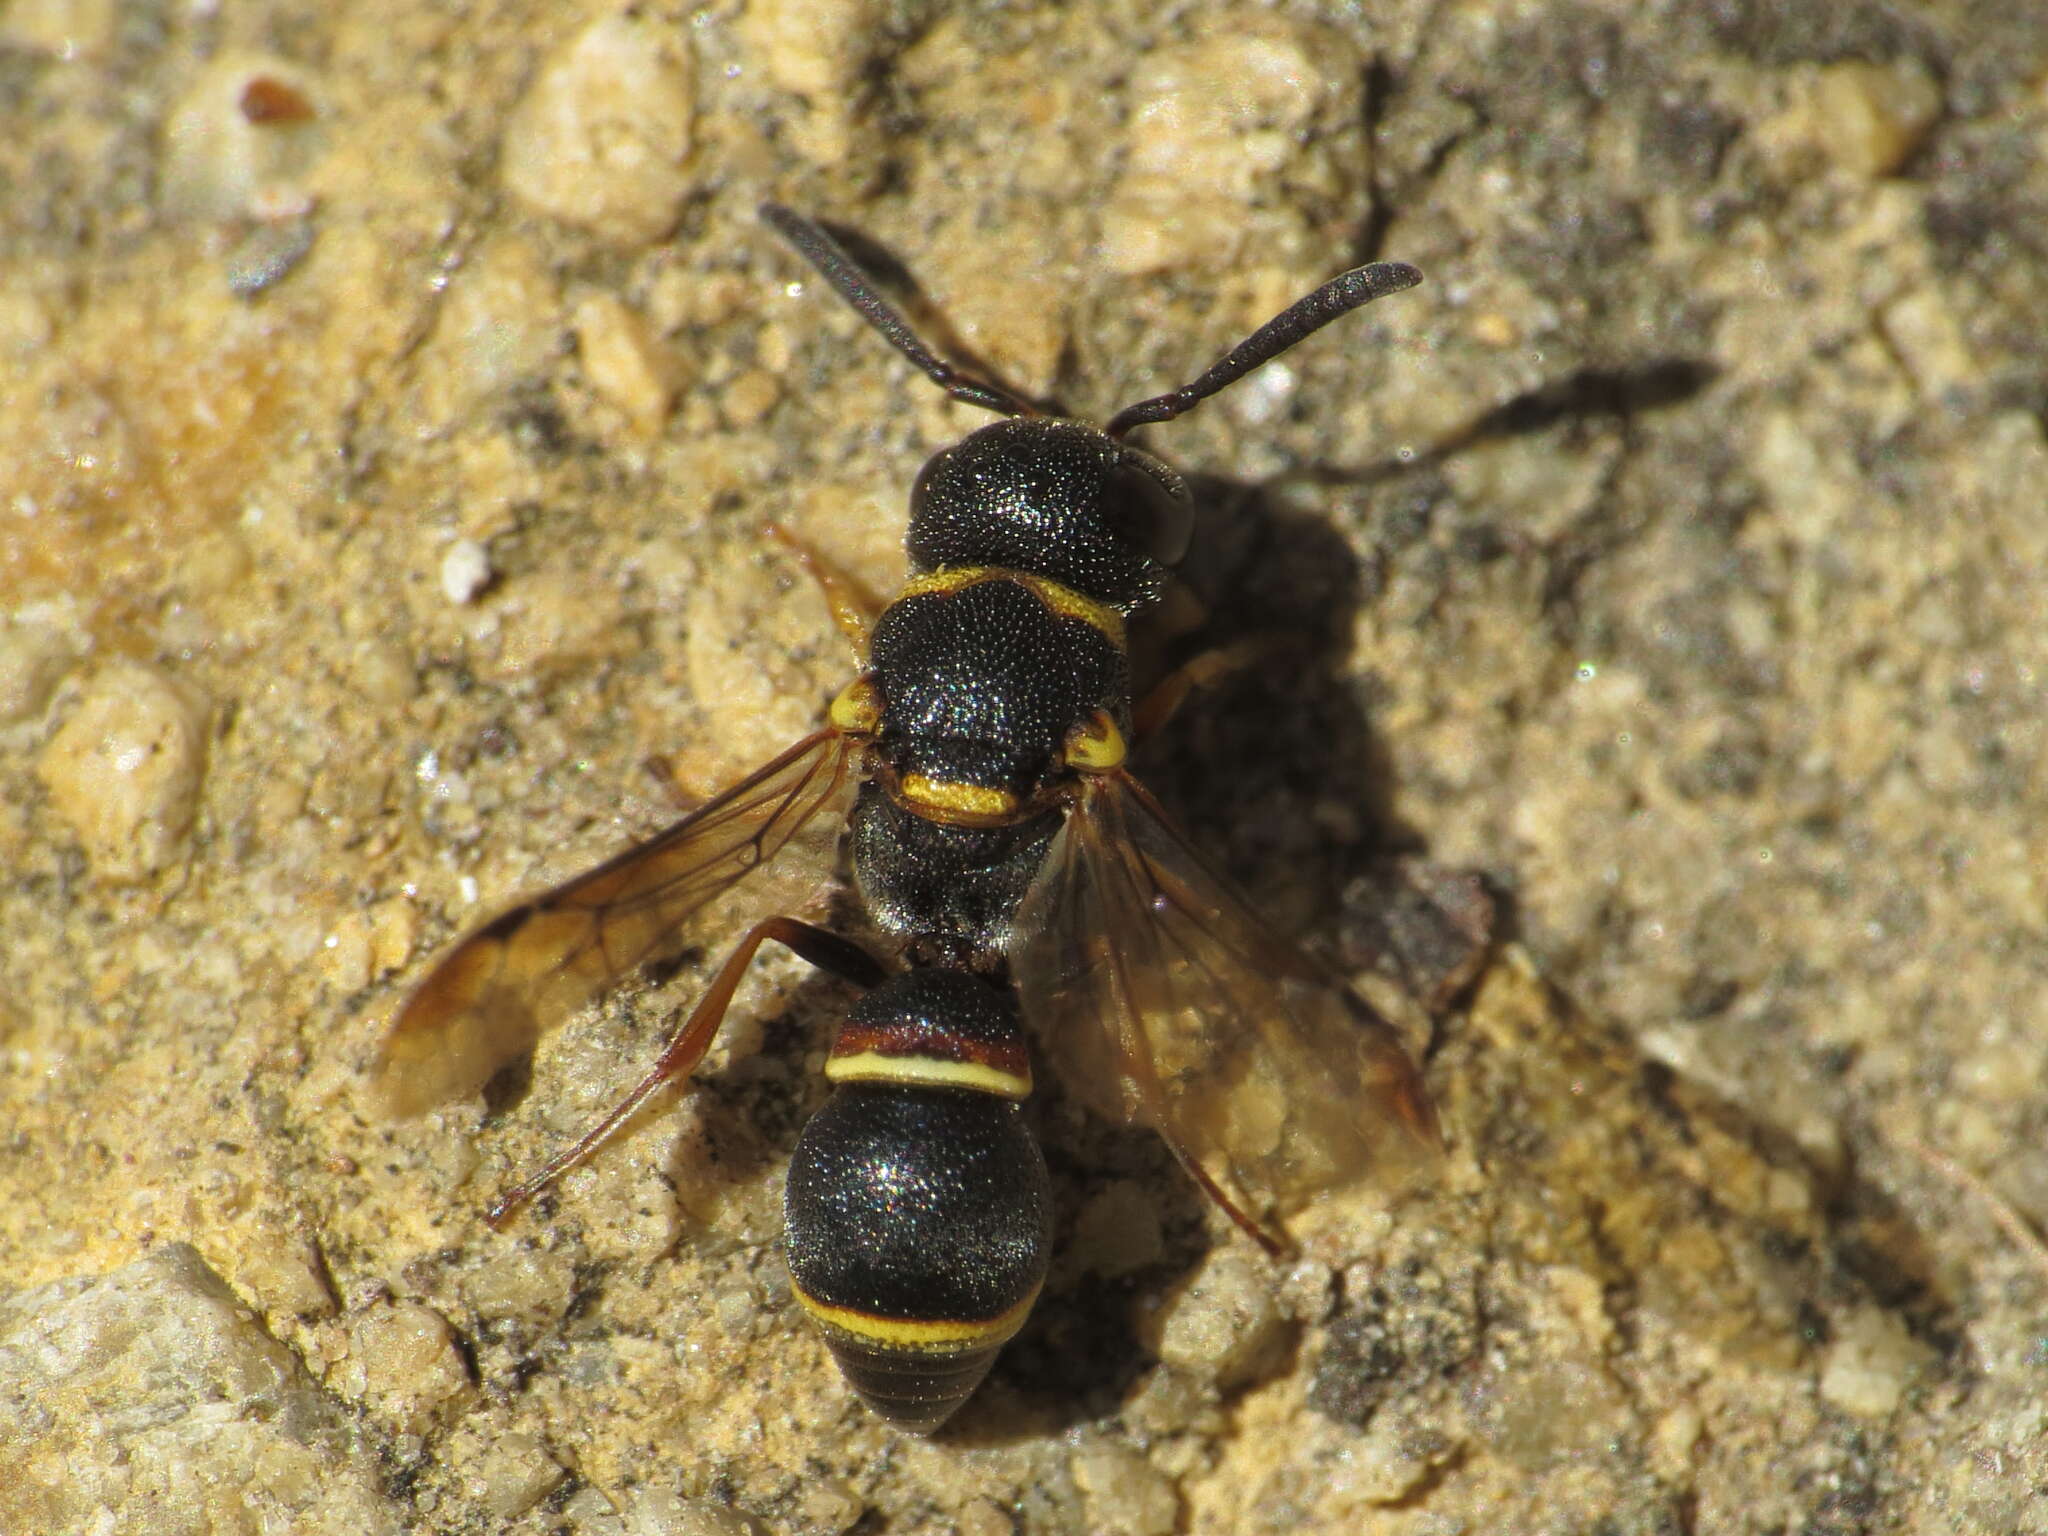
[1166, 1001]
[491, 996]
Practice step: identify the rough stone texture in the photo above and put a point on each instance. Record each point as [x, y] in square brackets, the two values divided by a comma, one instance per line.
[150, 1399]
[1674, 556]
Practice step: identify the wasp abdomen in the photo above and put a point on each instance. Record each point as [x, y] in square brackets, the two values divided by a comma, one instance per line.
[918, 1206]
[919, 1221]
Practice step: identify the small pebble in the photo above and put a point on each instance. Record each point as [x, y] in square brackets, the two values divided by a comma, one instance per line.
[812, 47]
[1222, 1324]
[26, 325]
[829, 1507]
[1674, 1440]
[1871, 117]
[1926, 336]
[242, 141]
[501, 325]
[623, 362]
[525, 1283]
[1390, 1463]
[823, 51]
[465, 570]
[125, 770]
[285, 1274]
[1870, 1363]
[1124, 1493]
[384, 672]
[662, 1512]
[1215, 126]
[600, 138]
[513, 1473]
[67, 29]
[985, 1517]
[266, 254]
[745, 400]
[403, 1358]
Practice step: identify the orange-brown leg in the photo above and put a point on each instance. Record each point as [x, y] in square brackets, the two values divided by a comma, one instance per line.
[686, 1048]
[1275, 1242]
[854, 607]
[1151, 713]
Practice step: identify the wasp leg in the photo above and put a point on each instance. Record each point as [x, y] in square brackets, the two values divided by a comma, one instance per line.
[686, 1048]
[854, 607]
[1150, 714]
[1275, 1243]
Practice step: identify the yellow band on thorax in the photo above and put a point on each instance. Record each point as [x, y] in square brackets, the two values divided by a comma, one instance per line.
[941, 798]
[1064, 601]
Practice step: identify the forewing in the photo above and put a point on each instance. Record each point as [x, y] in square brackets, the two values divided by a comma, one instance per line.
[1167, 1002]
[490, 997]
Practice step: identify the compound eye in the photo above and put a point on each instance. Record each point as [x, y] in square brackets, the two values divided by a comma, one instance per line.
[1155, 513]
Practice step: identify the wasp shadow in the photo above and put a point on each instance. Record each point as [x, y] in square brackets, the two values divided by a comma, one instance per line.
[1280, 771]
[1247, 765]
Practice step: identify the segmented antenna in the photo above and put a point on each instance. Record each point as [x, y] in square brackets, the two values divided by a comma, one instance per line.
[1304, 317]
[853, 285]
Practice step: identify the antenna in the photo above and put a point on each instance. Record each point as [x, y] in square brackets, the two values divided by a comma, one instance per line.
[1304, 317]
[857, 288]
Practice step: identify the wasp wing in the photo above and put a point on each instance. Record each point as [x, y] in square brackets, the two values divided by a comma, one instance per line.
[490, 997]
[1168, 1002]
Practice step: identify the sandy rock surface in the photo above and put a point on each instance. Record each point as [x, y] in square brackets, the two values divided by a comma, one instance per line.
[393, 401]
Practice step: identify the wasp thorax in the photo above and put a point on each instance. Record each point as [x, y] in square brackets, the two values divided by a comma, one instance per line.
[1054, 498]
[918, 1207]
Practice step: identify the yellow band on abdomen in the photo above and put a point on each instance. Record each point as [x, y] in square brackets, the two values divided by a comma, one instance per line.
[918, 1333]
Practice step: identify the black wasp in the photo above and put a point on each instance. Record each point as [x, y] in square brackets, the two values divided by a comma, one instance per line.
[1019, 871]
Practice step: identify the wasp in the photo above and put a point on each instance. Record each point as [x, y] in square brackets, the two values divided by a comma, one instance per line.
[977, 768]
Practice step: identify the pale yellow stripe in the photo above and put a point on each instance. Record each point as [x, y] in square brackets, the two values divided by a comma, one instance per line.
[910, 1333]
[917, 789]
[926, 1072]
[1064, 601]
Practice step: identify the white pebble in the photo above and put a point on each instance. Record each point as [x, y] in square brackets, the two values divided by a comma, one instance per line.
[465, 570]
